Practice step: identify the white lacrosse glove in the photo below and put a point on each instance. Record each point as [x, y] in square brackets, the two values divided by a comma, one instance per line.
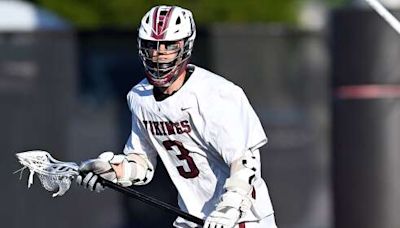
[92, 169]
[228, 212]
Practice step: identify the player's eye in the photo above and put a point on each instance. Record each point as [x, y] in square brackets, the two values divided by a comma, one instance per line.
[171, 45]
[149, 44]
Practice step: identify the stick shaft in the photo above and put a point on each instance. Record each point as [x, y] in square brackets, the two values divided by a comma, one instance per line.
[152, 201]
[389, 18]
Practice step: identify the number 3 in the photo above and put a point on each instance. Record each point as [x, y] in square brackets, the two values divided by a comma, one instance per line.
[194, 171]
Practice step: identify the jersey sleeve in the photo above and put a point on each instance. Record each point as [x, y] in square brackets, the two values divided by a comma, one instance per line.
[138, 141]
[234, 127]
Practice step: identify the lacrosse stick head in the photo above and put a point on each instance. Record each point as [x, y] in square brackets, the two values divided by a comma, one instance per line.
[55, 176]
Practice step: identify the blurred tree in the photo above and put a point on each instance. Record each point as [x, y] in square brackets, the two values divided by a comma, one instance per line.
[339, 3]
[127, 13]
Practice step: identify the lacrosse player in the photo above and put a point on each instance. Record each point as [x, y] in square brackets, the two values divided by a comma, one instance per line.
[201, 126]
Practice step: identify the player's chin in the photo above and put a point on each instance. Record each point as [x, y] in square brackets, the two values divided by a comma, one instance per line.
[160, 83]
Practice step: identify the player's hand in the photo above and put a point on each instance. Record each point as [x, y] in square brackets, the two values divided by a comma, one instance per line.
[227, 213]
[225, 217]
[90, 181]
[104, 166]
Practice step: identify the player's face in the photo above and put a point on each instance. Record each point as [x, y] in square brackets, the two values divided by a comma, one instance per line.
[162, 59]
[167, 51]
[163, 51]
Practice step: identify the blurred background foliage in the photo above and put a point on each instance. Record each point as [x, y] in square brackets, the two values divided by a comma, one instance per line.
[127, 13]
[339, 3]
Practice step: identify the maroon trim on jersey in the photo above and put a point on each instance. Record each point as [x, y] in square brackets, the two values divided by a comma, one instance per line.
[242, 225]
[160, 27]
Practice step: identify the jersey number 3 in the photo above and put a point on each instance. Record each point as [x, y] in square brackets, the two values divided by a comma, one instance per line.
[193, 170]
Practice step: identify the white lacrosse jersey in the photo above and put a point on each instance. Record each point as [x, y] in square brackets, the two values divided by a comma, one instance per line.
[197, 132]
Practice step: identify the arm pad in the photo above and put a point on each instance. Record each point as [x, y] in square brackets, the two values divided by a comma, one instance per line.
[240, 184]
[243, 173]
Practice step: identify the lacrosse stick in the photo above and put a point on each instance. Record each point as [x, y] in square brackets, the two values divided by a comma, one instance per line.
[385, 14]
[57, 176]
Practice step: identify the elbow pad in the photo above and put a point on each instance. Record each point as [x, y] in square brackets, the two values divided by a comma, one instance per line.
[243, 173]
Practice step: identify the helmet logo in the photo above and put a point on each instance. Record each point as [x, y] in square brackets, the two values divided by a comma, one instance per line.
[160, 22]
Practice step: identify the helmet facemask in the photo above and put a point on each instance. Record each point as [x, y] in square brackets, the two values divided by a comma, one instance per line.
[164, 61]
[165, 41]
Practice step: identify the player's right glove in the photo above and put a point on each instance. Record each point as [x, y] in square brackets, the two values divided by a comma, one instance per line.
[227, 213]
[92, 169]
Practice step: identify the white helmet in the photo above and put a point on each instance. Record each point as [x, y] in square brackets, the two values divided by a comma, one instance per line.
[166, 25]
